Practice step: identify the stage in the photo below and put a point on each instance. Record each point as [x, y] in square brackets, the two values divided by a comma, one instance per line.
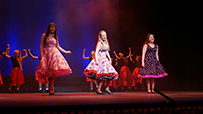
[90, 102]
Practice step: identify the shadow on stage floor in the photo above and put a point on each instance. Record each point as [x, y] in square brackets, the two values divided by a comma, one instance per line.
[90, 102]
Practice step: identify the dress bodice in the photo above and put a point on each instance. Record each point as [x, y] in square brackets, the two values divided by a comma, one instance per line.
[50, 42]
[151, 52]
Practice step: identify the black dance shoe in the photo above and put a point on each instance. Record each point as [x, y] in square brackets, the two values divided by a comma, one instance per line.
[108, 92]
[9, 91]
[40, 91]
[17, 91]
[99, 93]
[51, 93]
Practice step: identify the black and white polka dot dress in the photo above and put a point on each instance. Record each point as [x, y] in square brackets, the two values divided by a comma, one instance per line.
[153, 68]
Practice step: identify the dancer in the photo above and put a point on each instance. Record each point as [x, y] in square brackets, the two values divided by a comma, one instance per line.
[16, 78]
[1, 54]
[1, 82]
[137, 64]
[113, 83]
[125, 78]
[151, 66]
[100, 68]
[40, 81]
[52, 63]
[88, 79]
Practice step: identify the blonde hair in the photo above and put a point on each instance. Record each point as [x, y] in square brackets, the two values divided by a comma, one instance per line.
[19, 58]
[105, 41]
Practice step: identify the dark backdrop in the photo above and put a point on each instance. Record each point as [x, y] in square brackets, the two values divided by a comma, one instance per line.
[175, 23]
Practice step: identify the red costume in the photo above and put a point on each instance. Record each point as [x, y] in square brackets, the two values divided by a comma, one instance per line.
[16, 77]
[126, 78]
[1, 82]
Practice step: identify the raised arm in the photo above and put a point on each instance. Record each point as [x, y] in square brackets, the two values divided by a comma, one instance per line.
[157, 53]
[130, 55]
[34, 57]
[25, 54]
[83, 55]
[116, 63]
[60, 48]
[116, 55]
[144, 49]
[8, 50]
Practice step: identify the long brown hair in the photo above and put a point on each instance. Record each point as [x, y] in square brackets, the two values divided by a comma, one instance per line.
[147, 38]
[48, 31]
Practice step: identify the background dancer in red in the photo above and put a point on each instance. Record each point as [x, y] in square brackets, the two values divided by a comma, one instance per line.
[52, 63]
[101, 68]
[16, 78]
[88, 79]
[125, 78]
[151, 66]
[137, 64]
[40, 81]
[1, 54]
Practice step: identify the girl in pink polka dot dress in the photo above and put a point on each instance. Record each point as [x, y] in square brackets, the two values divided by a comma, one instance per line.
[151, 66]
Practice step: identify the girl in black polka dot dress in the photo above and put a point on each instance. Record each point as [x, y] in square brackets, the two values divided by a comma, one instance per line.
[151, 66]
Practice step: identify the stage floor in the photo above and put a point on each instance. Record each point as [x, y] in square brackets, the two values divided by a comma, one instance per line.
[91, 98]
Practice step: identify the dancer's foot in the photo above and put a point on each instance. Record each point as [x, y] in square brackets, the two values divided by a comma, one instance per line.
[51, 91]
[99, 92]
[40, 90]
[107, 91]
[152, 91]
[47, 90]
[149, 91]
[18, 90]
[10, 91]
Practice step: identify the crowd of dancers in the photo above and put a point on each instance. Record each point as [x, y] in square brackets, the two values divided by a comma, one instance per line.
[100, 71]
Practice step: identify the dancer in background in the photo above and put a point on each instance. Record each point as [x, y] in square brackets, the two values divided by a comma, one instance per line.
[16, 78]
[40, 81]
[3, 54]
[151, 66]
[125, 78]
[52, 63]
[100, 68]
[113, 83]
[137, 64]
[1, 81]
[88, 79]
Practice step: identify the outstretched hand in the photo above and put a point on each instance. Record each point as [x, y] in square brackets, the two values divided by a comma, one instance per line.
[129, 48]
[24, 50]
[143, 64]
[68, 52]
